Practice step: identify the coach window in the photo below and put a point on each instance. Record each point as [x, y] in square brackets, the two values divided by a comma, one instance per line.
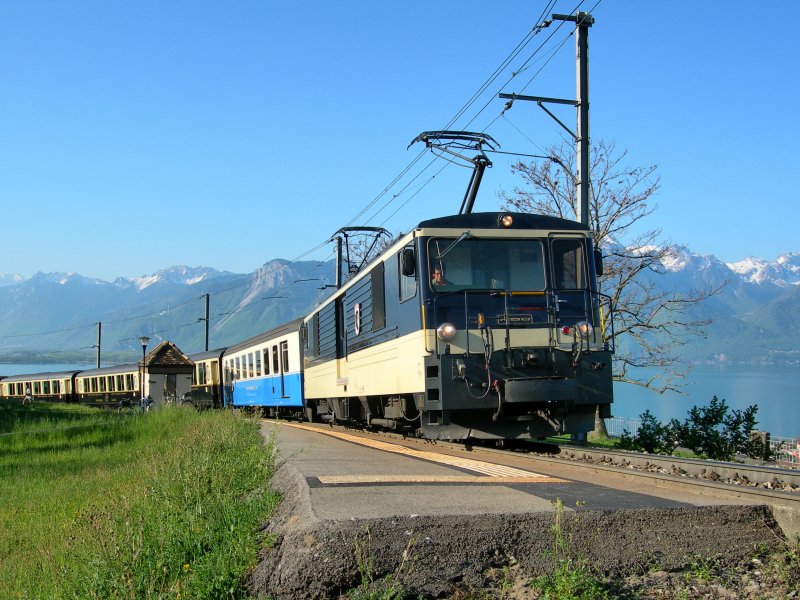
[285, 356]
[238, 369]
[47, 387]
[212, 371]
[265, 353]
[276, 368]
[250, 365]
[56, 387]
[258, 363]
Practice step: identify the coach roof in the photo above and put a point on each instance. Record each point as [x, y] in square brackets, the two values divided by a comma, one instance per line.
[40, 376]
[290, 327]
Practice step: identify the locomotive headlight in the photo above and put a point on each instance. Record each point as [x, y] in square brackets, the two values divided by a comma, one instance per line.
[506, 220]
[584, 329]
[446, 332]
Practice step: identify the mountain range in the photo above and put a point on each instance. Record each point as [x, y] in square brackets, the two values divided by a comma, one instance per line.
[56, 315]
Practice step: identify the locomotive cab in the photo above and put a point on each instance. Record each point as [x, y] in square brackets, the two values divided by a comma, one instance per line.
[516, 332]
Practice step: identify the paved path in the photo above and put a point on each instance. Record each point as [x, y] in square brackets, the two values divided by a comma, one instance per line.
[350, 476]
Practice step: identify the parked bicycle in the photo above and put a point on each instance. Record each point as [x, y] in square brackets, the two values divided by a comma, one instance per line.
[125, 406]
[184, 401]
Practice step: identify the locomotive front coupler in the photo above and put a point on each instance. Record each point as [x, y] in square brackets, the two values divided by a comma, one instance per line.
[497, 388]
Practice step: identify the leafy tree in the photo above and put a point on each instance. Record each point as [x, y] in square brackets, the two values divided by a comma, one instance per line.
[651, 321]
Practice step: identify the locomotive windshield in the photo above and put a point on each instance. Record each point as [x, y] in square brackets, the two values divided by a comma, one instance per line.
[510, 265]
[486, 264]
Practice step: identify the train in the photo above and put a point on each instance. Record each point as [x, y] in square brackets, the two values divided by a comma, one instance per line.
[485, 325]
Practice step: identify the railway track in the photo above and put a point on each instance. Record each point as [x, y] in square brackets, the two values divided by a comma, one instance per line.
[737, 474]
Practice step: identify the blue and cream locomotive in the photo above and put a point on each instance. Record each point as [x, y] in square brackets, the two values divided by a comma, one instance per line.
[478, 325]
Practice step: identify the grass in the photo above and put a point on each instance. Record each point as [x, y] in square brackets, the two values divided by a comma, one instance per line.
[96, 505]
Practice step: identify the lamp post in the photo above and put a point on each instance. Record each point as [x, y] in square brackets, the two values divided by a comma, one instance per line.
[144, 339]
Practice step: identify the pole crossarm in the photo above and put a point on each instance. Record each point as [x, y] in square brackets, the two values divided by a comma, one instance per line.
[538, 99]
[581, 18]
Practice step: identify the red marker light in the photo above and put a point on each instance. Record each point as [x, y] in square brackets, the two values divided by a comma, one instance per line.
[565, 330]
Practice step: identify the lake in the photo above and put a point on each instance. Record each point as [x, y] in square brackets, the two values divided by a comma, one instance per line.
[775, 390]
[23, 368]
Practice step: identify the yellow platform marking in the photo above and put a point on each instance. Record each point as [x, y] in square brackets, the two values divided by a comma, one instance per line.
[366, 479]
[490, 472]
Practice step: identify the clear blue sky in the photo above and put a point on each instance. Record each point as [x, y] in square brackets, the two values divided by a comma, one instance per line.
[139, 135]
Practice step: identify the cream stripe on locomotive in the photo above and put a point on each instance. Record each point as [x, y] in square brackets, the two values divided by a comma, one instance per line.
[392, 367]
[427, 479]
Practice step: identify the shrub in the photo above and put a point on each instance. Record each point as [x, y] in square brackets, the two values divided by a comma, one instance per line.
[711, 431]
[651, 437]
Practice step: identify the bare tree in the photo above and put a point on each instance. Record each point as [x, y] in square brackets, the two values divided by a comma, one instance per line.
[651, 323]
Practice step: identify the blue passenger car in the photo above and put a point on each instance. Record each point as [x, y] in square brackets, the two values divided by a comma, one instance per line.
[266, 371]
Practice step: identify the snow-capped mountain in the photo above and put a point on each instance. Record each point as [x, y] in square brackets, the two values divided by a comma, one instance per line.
[783, 271]
[179, 275]
[10, 279]
[64, 279]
